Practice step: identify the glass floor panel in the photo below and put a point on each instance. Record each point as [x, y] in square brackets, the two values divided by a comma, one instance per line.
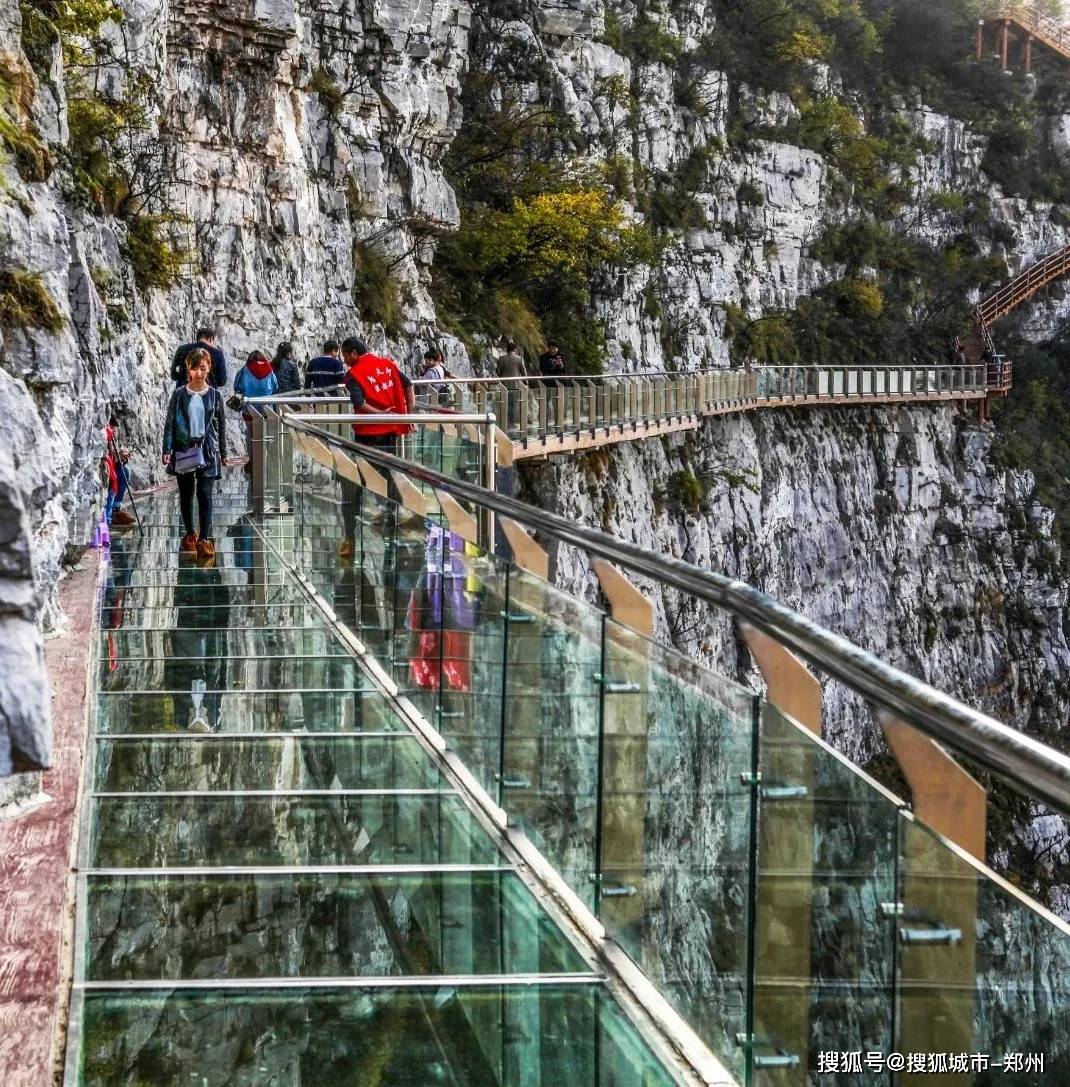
[439, 1034]
[211, 763]
[314, 710]
[177, 928]
[233, 641]
[160, 592]
[277, 884]
[226, 829]
[231, 672]
[175, 616]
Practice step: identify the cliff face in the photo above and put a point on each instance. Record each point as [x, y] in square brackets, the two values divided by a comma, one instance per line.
[298, 148]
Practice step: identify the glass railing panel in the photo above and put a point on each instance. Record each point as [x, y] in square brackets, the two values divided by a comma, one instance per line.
[220, 829]
[982, 969]
[551, 714]
[494, 1036]
[206, 709]
[824, 951]
[471, 677]
[676, 829]
[303, 761]
[178, 928]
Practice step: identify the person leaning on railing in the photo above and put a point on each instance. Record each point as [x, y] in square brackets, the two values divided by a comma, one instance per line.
[376, 386]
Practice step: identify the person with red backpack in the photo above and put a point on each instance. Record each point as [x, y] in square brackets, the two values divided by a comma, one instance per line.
[376, 386]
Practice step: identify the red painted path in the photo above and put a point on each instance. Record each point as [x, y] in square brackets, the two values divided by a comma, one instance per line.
[36, 899]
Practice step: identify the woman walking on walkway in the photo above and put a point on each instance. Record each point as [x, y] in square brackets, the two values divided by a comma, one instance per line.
[195, 448]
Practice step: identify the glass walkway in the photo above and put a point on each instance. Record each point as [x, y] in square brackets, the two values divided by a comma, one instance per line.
[369, 805]
[278, 884]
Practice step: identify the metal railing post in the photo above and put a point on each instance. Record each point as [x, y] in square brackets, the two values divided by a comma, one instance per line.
[490, 482]
[256, 461]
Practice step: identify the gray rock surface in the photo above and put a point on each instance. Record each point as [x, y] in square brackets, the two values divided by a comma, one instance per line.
[894, 528]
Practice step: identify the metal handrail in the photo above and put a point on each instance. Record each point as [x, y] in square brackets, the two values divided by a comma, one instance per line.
[1033, 768]
[673, 375]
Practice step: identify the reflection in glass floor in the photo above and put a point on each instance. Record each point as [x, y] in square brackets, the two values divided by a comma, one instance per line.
[277, 883]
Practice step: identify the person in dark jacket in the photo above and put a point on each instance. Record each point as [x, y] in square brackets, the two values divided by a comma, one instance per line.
[206, 342]
[195, 418]
[286, 371]
[552, 366]
[326, 370]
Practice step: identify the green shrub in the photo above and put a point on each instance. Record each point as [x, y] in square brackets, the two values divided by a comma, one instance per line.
[515, 320]
[156, 263]
[645, 40]
[18, 134]
[750, 195]
[26, 303]
[670, 199]
[544, 253]
[375, 288]
[75, 24]
[768, 339]
[686, 492]
[332, 96]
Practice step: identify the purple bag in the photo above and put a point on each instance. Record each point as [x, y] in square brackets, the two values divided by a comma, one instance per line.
[189, 460]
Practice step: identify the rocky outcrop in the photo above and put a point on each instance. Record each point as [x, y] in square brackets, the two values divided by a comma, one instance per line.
[301, 144]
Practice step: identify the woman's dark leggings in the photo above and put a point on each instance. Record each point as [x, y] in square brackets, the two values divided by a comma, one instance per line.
[186, 484]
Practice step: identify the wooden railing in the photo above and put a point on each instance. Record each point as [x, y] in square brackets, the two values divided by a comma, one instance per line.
[1023, 286]
[1048, 31]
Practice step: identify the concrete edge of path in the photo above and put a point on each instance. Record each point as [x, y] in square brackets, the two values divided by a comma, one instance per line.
[36, 854]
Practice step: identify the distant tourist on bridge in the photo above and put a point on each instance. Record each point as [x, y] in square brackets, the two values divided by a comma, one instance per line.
[286, 371]
[434, 370]
[256, 377]
[552, 366]
[552, 363]
[195, 449]
[511, 365]
[205, 342]
[327, 370]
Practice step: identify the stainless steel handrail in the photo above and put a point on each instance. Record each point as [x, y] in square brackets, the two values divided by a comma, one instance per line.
[1036, 770]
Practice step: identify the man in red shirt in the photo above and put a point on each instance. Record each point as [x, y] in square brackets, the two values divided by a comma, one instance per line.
[376, 387]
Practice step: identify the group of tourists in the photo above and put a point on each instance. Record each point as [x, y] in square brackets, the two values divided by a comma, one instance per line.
[195, 439]
[194, 444]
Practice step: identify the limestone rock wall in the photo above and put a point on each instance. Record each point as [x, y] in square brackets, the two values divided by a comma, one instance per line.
[296, 132]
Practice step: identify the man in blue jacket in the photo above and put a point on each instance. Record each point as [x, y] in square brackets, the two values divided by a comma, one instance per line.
[217, 377]
[326, 370]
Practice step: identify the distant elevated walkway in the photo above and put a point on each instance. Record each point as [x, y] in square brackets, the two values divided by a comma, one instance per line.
[1029, 25]
[575, 414]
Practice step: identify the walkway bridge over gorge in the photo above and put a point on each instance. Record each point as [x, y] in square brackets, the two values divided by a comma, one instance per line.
[405, 813]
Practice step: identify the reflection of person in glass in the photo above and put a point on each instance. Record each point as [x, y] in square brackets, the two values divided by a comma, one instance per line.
[197, 662]
[120, 567]
[443, 610]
